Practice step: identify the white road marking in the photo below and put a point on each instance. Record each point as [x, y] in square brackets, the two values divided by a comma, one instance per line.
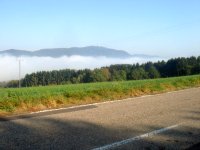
[130, 140]
[106, 102]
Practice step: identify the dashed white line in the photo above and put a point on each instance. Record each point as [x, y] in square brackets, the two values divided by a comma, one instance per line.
[130, 140]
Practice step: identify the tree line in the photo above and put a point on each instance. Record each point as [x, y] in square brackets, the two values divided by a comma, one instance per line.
[171, 68]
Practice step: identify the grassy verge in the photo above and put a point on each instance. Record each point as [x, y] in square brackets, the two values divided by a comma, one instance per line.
[38, 98]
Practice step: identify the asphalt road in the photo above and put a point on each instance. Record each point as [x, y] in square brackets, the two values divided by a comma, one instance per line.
[164, 121]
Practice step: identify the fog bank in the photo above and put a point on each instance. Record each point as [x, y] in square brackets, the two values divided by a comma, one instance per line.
[9, 65]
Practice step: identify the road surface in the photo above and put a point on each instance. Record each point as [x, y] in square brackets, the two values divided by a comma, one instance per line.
[163, 121]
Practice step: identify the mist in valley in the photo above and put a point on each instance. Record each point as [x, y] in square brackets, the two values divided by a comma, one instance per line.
[10, 64]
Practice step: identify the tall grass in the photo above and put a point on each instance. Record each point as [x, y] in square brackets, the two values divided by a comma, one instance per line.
[15, 100]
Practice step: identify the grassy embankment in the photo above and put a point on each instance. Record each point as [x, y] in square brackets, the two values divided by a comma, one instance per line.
[38, 98]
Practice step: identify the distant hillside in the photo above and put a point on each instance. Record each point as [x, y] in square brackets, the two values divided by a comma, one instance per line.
[93, 51]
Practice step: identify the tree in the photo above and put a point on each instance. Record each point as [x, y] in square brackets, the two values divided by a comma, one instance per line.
[137, 74]
[12, 83]
[160, 66]
[118, 75]
[100, 75]
[173, 67]
[153, 73]
[87, 76]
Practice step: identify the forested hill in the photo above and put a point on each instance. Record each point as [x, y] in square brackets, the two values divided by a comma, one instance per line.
[149, 70]
[93, 51]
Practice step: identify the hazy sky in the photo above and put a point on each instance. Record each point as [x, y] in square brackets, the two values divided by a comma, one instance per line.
[167, 28]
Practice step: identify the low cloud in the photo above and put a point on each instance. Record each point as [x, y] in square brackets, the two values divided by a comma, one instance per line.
[9, 65]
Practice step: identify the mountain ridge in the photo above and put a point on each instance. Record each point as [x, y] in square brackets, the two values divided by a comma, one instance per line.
[93, 51]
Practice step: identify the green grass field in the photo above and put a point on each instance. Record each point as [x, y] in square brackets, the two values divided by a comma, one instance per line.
[38, 98]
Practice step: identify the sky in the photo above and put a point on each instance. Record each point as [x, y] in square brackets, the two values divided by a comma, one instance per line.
[165, 28]
[169, 28]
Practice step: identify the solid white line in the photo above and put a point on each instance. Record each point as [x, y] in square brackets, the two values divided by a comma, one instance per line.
[106, 102]
[130, 140]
